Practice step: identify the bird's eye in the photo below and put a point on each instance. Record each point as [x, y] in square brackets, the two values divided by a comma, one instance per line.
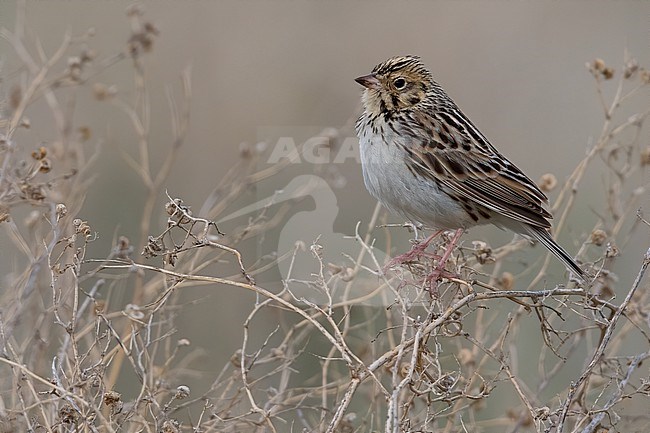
[399, 83]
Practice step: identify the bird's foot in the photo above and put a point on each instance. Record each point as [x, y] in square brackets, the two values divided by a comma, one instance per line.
[439, 272]
[432, 280]
[417, 251]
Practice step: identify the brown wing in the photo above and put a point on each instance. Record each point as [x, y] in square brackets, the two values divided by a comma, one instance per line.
[456, 154]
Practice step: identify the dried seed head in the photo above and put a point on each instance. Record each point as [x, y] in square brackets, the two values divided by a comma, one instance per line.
[631, 67]
[153, 248]
[170, 258]
[39, 153]
[599, 68]
[81, 227]
[182, 391]
[347, 275]
[235, 359]
[599, 64]
[612, 250]
[32, 192]
[45, 166]
[4, 213]
[598, 237]
[445, 383]
[608, 73]
[123, 248]
[113, 400]
[179, 211]
[100, 306]
[245, 150]
[96, 381]
[75, 66]
[85, 133]
[103, 92]
[542, 413]
[602, 288]
[482, 251]
[645, 156]
[61, 211]
[68, 415]
[171, 206]
[171, 426]
[645, 76]
[183, 342]
[74, 61]
[150, 28]
[111, 397]
[507, 281]
[134, 312]
[88, 55]
[404, 369]
[547, 182]
[316, 250]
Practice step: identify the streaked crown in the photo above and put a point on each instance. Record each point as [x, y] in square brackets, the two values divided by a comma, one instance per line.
[398, 83]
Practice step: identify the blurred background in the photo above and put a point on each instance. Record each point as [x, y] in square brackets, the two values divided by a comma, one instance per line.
[263, 71]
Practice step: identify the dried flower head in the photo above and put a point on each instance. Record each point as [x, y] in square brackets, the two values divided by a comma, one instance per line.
[45, 166]
[102, 92]
[645, 156]
[61, 211]
[39, 153]
[171, 426]
[183, 342]
[182, 392]
[99, 307]
[85, 133]
[245, 150]
[599, 69]
[482, 252]
[645, 76]
[612, 251]
[547, 182]
[631, 67]
[113, 400]
[82, 227]
[68, 415]
[123, 248]
[506, 281]
[598, 237]
[4, 213]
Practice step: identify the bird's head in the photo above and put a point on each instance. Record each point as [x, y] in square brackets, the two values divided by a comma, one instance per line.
[397, 84]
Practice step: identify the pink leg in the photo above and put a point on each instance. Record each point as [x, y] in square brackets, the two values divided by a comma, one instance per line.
[414, 253]
[440, 268]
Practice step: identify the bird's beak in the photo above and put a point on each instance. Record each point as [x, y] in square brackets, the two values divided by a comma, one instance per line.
[368, 81]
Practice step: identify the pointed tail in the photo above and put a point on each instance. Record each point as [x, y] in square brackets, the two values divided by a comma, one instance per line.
[543, 236]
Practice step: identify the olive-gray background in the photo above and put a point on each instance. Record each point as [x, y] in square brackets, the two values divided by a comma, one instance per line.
[264, 69]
